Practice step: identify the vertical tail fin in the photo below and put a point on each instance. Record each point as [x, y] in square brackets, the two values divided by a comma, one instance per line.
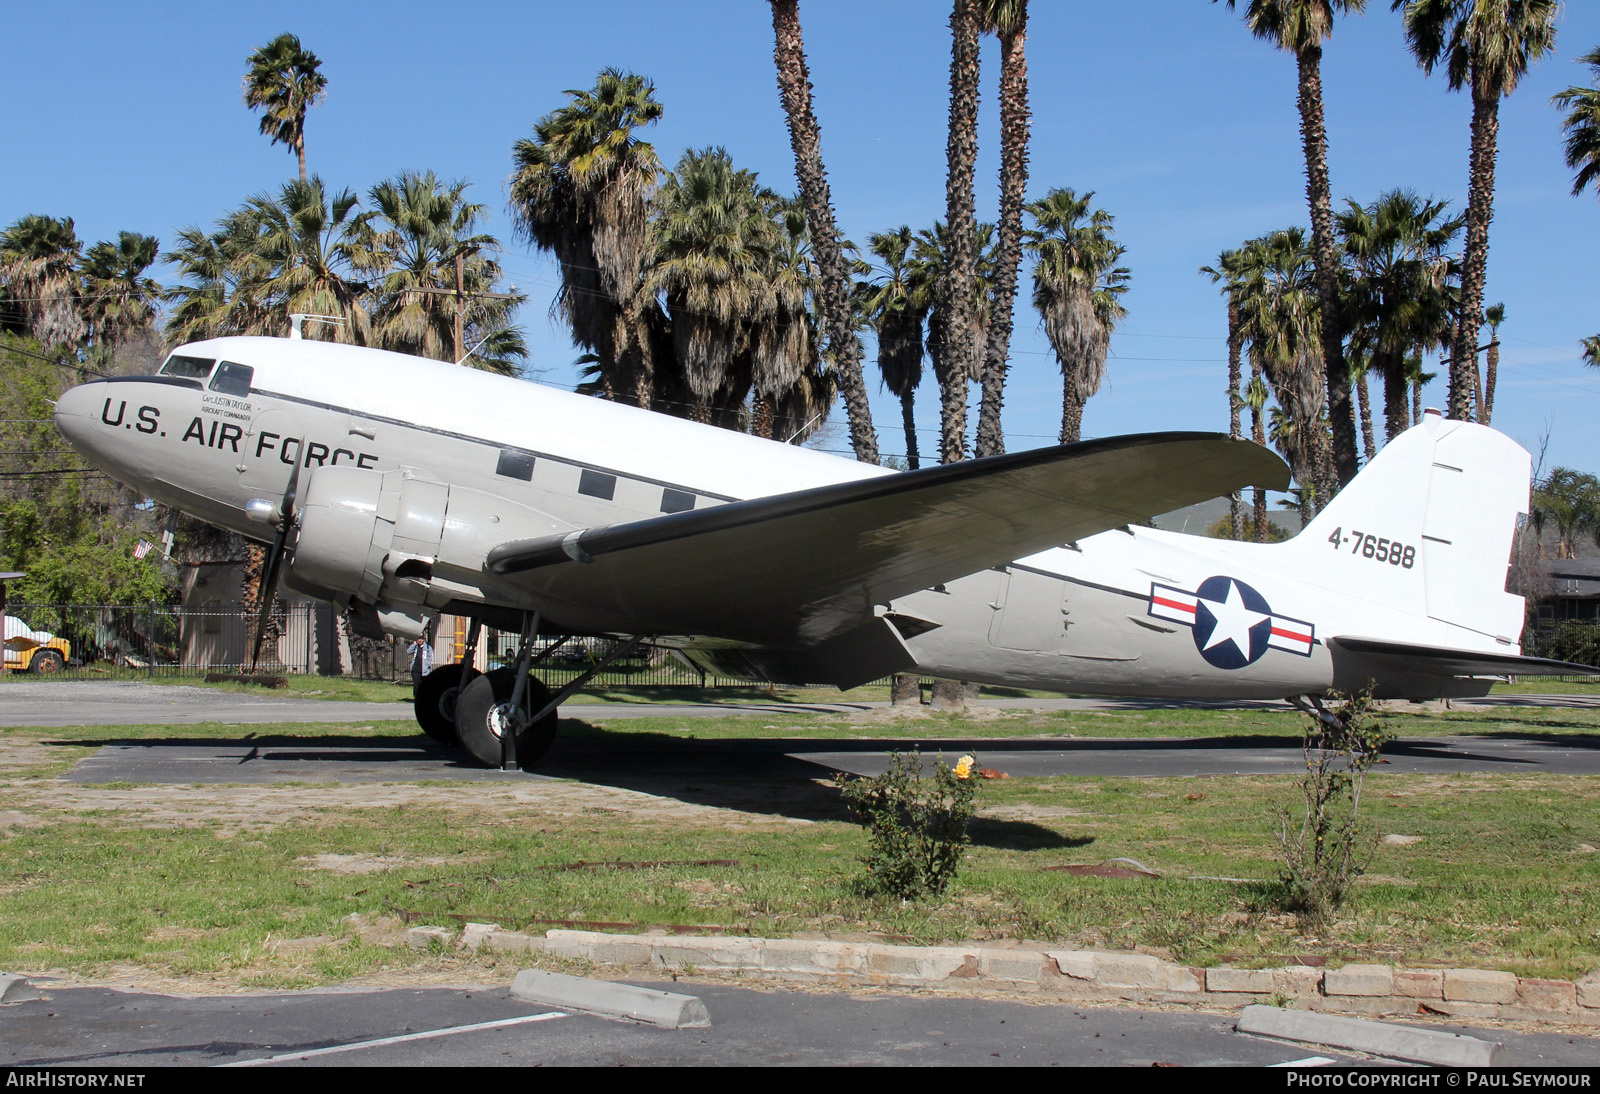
[1428, 527]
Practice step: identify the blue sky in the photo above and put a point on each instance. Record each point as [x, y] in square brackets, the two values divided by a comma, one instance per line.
[130, 116]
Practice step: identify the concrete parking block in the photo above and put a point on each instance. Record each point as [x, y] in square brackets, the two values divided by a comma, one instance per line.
[1396, 1042]
[17, 989]
[666, 1009]
[1367, 980]
[1480, 986]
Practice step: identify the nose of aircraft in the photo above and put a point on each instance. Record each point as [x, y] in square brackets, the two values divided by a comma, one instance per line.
[72, 415]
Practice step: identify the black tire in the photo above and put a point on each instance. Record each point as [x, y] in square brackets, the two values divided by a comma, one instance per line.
[47, 663]
[479, 699]
[435, 704]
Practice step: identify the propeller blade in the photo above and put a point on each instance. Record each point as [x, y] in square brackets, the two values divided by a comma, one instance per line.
[269, 577]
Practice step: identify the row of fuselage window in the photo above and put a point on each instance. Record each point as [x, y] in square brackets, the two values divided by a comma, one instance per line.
[591, 483]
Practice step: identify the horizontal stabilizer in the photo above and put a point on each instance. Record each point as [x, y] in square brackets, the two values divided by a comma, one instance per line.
[1437, 661]
[797, 568]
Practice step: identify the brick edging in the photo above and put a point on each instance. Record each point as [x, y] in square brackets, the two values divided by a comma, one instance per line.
[1091, 975]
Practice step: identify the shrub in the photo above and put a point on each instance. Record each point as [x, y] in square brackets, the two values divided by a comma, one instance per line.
[916, 825]
[1328, 849]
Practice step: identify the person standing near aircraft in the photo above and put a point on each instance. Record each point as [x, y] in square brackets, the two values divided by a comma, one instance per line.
[421, 661]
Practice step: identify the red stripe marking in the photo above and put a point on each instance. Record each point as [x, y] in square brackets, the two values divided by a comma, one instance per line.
[1165, 603]
[1298, 637]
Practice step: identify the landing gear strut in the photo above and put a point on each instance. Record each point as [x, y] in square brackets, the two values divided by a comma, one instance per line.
[507, 718]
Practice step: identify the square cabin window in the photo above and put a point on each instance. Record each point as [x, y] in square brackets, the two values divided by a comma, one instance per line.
[232, 379]
[515, 465]
[676, 501]
[597, 484]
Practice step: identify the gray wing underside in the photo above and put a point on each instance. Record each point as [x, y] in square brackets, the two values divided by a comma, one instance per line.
[796, 569]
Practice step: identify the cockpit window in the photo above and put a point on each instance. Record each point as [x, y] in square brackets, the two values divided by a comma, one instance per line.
[190, 368]
[232, 379]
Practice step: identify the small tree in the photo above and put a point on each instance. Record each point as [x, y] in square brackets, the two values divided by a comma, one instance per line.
[916, 826]
[1326, 849]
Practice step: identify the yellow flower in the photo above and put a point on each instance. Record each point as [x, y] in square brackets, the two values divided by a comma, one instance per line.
[963, 768]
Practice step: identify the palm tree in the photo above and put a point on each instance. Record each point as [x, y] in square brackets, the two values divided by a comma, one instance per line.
[119, 301]
[298, 251]
[1494, 315]
[1400, 290]
[895, 303]
[958, 361]
[1280, 319]
[1230, 269]
[426, 226]
[283, 82]
[580, 189]
[39, 258]
[711, 249]
[1007, 20]
[930, 264]
[805, 137]
[1255, 397]
[1569, 501]
[309, 247]
[1299, 27]
[1485, 46]
[1077, 286]
[1591, 351]
[1582, 125]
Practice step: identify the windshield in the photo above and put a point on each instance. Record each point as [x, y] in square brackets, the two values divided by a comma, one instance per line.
[190, 368]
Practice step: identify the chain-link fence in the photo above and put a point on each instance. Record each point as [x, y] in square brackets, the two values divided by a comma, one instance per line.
[120, 641]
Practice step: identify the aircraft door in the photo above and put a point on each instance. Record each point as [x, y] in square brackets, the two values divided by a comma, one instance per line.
[1032, 615]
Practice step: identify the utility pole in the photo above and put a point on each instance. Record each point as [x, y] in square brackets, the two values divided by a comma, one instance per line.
[459, 308]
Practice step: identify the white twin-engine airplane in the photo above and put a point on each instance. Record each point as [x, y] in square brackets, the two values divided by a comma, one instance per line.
[401, 487]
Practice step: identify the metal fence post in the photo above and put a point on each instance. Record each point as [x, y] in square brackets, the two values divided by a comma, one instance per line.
[150, 641]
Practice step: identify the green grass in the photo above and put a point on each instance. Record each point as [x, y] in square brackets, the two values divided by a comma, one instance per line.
[1503, 875]
[1497, 880]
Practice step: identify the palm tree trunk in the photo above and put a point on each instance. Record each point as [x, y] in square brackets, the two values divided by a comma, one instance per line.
[1394, 396]
[960, 335]
[1314, 137]
[300, 153]
[1071, 416]
[805, 137]
[908, 419]
[1491, 368]
[1008, 255]
[1369, 444]
[1475, 257]
[1258, 433]
[1235, 506]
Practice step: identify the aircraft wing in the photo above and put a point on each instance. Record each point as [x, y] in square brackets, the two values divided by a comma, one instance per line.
[802, 567]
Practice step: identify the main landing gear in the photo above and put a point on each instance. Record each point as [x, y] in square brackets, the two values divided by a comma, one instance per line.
[506, 717]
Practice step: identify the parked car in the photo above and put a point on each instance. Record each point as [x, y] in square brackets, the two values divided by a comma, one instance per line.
[38, 652]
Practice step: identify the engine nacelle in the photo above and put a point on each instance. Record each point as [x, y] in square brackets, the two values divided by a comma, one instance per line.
[373, 543]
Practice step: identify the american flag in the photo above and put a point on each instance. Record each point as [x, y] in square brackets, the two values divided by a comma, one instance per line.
[144, 548]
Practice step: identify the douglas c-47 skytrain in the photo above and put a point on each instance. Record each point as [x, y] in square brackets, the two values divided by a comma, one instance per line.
[399, 488]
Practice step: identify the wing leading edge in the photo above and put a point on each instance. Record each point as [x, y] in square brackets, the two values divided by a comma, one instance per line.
[803, 567]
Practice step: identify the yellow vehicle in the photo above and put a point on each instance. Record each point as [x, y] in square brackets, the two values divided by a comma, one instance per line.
[38, 652]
